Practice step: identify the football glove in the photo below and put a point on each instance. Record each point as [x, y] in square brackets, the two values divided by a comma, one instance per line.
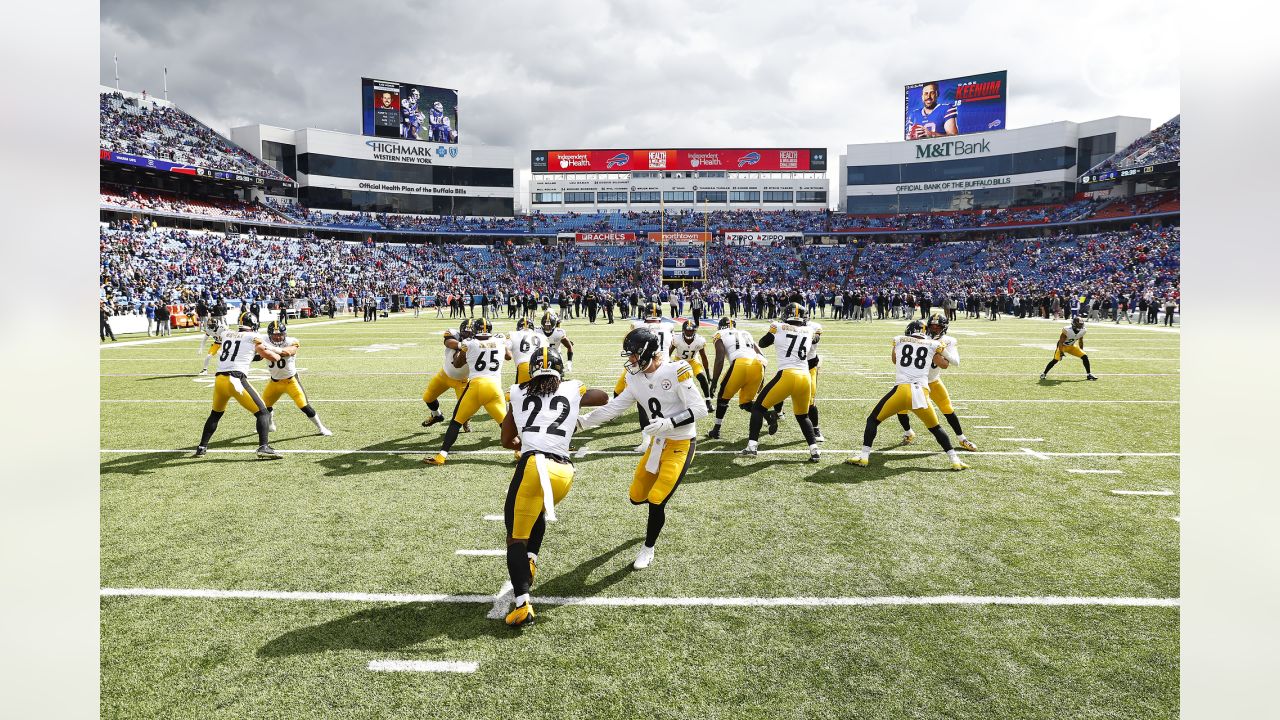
[658, 426]
[568, 366]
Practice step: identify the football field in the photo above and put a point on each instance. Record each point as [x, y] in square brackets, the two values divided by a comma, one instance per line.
[348, 580]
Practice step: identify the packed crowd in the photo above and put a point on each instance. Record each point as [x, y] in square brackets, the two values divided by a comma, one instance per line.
[1164, 144]
[167, 204]
[155, 129]
[964, 219]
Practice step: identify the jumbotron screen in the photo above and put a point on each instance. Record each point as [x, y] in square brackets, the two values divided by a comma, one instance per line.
[956, 106]
[409, 111]
[746, 159]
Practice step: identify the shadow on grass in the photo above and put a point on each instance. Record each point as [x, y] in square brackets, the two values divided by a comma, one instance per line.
[879, 469]
[150, 463]
[392, 628]
[1051, 382]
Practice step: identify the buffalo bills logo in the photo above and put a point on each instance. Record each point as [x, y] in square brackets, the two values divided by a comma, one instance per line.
[617, 161]
[750, 158]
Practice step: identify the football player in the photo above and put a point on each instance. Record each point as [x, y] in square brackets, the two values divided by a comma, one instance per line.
[483, 354]
[538, 427]
[690, 347]
[937, 329]
[746, 370]
[238, 348]
[213, 328]
[521, 344]
[651, 320]
[553, 335]
[284, 377]
[932, 118]
[411, 116]
[1071, 342]
[670, 396]
[449, 376]
[911, 356]
[794, 339]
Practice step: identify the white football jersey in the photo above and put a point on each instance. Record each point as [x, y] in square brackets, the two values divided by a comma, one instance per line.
[238, 349]
[793, 343]
[912, 356]
[687, 350]
[546, 422]
[738, 343]
[659, 328]
[523, 343]
[949, 351]
[284, 368]
[456, 373]
[668, 393]
[212, 330]
[485, 357]
[1072, 335]
[553, 339]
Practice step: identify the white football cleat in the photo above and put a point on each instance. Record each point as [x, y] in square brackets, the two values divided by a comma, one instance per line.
[644, 559]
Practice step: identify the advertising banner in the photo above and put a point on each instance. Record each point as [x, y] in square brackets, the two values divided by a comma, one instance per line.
[604, 237]
[745, 159]
[687, 238]
[760, 238]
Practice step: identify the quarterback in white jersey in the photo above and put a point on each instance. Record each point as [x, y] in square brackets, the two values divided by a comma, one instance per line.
[238, 348]
[912, 354]
[668, 392]
[1071, 342]
[542, 414]
[691, 347]
[483, 354]
[794, 339]
[284, 377]
[937, 329]
[523, 343]
[652, 321]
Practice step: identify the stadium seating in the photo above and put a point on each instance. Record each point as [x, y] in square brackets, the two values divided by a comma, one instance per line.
[157, 129]
[1158, 146]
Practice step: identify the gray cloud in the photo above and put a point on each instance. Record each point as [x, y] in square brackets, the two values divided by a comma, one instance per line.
[661, 73]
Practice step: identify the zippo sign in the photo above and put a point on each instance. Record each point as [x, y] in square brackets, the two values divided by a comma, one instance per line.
[745, 159]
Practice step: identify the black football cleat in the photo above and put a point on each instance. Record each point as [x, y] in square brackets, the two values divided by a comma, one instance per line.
[201, 451]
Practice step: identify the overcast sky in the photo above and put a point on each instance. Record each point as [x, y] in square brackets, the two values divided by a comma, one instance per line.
[662, 73]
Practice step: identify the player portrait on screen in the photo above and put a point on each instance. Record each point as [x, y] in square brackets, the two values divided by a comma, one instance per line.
[931, 117]
[387, 101]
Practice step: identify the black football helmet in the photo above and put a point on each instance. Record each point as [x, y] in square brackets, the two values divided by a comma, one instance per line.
[689, 329]
[523, 324]
[464, 330]
[546, 361]
[550, 321]
[796, 314]
[915, 328]
[726, 322]
[247, 321]
[652, 310]
[1077, 323]
[643, 343]
[276, 331]
[481, 326]
[940, 322]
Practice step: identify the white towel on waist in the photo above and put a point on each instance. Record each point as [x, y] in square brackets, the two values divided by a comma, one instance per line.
[236, 387]
[919, 396]
[655, 454]
[548, 499]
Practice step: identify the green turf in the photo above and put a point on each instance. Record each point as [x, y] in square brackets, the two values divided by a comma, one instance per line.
[368, 517]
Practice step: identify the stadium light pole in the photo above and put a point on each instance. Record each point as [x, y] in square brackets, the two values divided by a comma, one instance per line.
[166, 83]
[115, 59]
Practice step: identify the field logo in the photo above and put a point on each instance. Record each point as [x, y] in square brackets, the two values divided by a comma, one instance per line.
[618, 160]
[750, 158]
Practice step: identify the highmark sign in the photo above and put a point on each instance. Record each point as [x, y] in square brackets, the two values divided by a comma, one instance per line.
[952, 148]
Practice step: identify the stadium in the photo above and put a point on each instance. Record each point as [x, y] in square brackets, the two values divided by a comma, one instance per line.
[842, 447]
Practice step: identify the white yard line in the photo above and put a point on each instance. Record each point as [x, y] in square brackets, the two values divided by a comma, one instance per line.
[493, 518]
[821, 399]
[1141, 492]
[1023, 439]
[797, 451]
[298, 330]
[974, 417]
[597, 601]
[481, 553]
[993, 427]
[1095, 472]
[452, 666]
